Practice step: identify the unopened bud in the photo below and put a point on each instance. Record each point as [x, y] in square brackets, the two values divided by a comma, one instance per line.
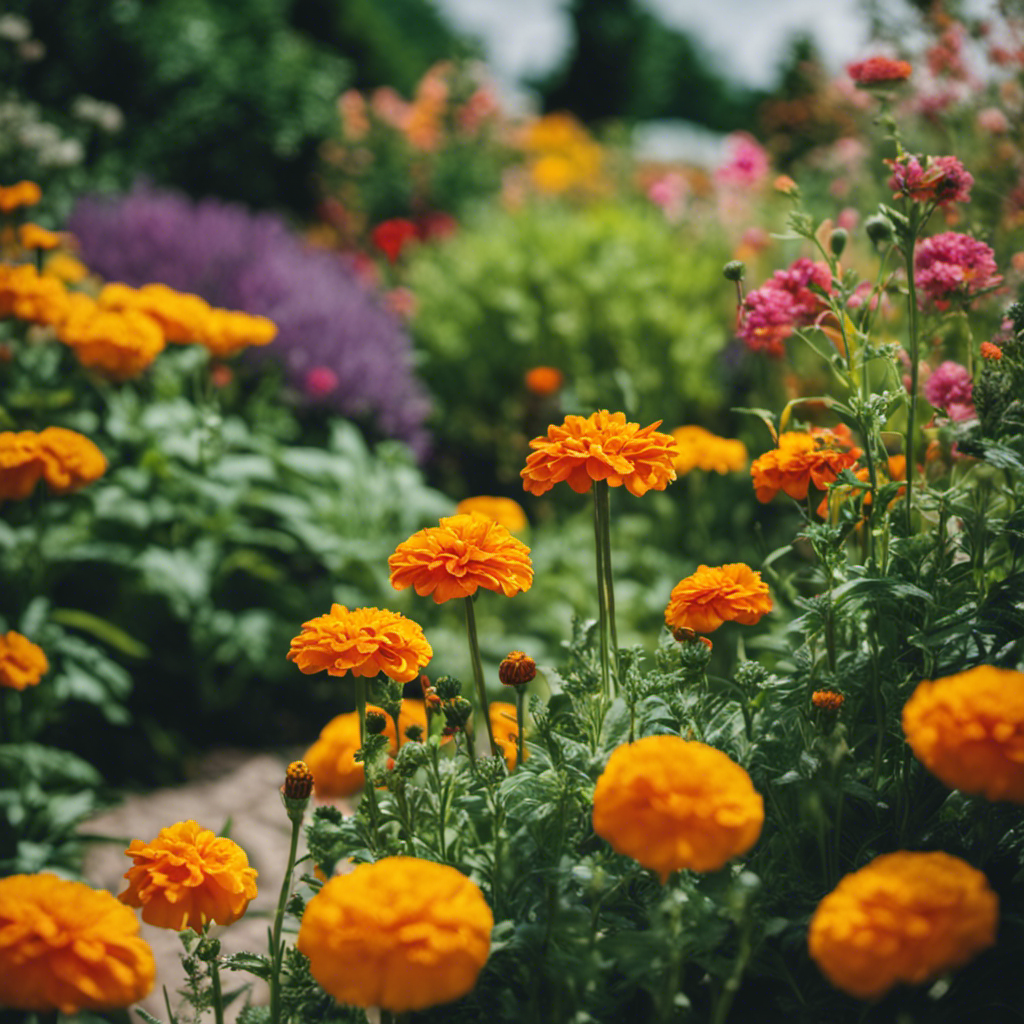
[517, 669]
[298, 781]
[414, 733]
[448, 687]
[879, 229]
[685, 635]
[376, 722]
[828, 700]
[734, 270]
[457, 711]
[837, 241]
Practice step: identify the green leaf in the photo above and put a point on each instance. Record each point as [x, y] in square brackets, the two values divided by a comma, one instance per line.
[147, 1016]
[103, 630]
[252, 963]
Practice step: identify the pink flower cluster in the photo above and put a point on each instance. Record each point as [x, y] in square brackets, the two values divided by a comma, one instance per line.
[954, 266]
[770, 313]
[942, 180]
[949, 388]
[746, 164]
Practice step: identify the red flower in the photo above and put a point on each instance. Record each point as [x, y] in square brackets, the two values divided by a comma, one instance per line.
[879, 71]
[392, 236]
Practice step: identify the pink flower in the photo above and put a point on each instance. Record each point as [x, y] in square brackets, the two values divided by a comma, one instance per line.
[879, 71]
[746, 162]
[784, 302]
[954, 266]
[949, 388]
[942, 179]
[849, 218]
[320, 381]
[993, 120]
[670, 192]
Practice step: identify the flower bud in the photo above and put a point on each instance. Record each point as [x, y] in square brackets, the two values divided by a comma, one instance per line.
[734, 270]
[414, 733]
[879, 229]
[457, 711]
[208, 949]
[448, 687]
[837, 241]
[685, 635]
[376, 722]
[298, 781]
[517, 669]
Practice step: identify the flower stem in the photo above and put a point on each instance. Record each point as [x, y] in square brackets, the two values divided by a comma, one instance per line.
[520, 724]
[601, 495]
[602, 603]
[218, 997]
[908, 256]
[478, 672]
[277, 948]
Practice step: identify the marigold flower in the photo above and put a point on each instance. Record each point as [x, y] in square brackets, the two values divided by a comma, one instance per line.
[879, 71]
[544, 380]
[70, 460]
[827, 700]
[22, 663]
[602, 446]
[711, 596]
[32, 236]
[120, 344]
[182, 317]
[23, 193]
[65, 946]
[461, 554]
[363, 641]
[505, 727]
[517, 669]
[402, 934]
[21, 464]
[968, 730]
[991, 352]
[26, 294]
[905, 917]
[670, 803]
[700, 449]
[298, 781]
[953, 266]
[798, 461]
[187, 876]
[225, 332]
[502, 510]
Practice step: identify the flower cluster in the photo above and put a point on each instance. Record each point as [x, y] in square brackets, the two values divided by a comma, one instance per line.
[22, 663]
[801, 459]
[65, 459]
[31, 296]
[711, 596]
[118, 344]
[941, 180]
[952, 266]
[562, 155]
[700, 449]
[906, 917]
[949, 387]
[788, 300]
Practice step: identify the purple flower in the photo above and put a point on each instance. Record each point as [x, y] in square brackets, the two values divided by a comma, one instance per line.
[949, 388]
[327, 319]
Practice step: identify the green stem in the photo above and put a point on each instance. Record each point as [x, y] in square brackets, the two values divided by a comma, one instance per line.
[276, 946]
[218, 997]
[914, 359]
[602, 600]
[732, 984]
[520, 723]
[601, 495]
[478, 672]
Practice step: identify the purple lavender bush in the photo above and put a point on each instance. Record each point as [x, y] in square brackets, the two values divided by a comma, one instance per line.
[337, 343]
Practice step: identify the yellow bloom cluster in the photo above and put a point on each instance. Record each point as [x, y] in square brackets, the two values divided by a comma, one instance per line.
[29, 295]
[119, 345]
[700, 449]
[562, 154]
[66, 459]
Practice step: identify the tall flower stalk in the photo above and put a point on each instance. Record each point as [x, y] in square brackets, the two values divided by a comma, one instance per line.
[478, 672]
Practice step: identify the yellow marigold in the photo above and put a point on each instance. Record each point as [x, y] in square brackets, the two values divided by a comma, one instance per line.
[70, 460]
[670, 803]
[331, 758]
[502, 510]
[67, 947]
[65, 268]
[505, 726]
[22, 663]
[800, 460]
[461, 554]
[21, 464]
[700, 449]
[32, 236]
[906, 917]
[23, 193]
[226, 332]
[602, 446]
[711, 596]
[29, 296]
[402, 934]
[182, 317]
[118, 343]
[968, 730]
[363, 641]
[187, 877]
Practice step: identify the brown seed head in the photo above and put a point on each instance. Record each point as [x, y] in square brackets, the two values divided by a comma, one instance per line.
[517, 669]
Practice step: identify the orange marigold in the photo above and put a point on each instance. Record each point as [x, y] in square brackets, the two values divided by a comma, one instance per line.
[991, 351]
[700, 449]
[502, 510]
[711, 596]
[65, 946]
[363, 641]
[602, 446]
[22, 193]
[118, 343]
[799, 461]
[181, 316]
[21, 464]
[461, 554]
[402, 934]
[22, 663]
[827, 700]
[26, 294]
[226, 332]
[187, 877]
[543, 380]
[905, 917]
[32, 236]
[968, 730]
[505, 726]
[70, 460]
[517, 669]
[670, 803]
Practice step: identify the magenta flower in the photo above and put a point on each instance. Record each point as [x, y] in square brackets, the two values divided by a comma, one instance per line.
[949, 388]
[953, 266]
[942, 180]
[785, 301]
[746, 163]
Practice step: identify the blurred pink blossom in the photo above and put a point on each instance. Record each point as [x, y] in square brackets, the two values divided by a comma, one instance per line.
[949, 388]
[320, 381]
[670, 192]
[746, 164]
[993, 120]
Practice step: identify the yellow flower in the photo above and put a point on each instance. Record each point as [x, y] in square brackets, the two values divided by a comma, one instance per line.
[505, 726]
[29, 296]
[402, 934]
[460, 555]
[70, 460]
[968, 730]
[711, 596]
[602, 446]
[23, 193]
[182, 317]
[64, 946]
[118, 343]
[670, 803]
[700, 449]
[364, 641]
[502, 510]
[22, 663]
[65, 268]
[32, 236]
[21, 464]
[226, 332]
[906, 917]
[187, 877]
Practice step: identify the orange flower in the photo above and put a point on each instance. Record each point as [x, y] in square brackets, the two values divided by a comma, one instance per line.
[120, 344]
[906, 917]
[603, 446]
[711, 596]
[544, 380]
[32, 236]
[67, 947]
[461, 554]
[70, 460]
[23, 193]
[502, 510]
[364, 641]
[187, 877]
[181, 316]
[700, 449]
[505, 726]
[22, 663]
[29, 296]
[226, 332]
[21, 464]
[879, 71]
[65, 268]
[827, 700]
[968, 730]
[991, 351]
[799, 461]
[670, 804]
[402, 934]
[517, 669]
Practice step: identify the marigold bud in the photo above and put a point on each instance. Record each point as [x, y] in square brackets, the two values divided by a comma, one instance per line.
[376, 722]
[879, 229]
[827, 700]
[414, 733]
[685, 635]
[517, 669]
[457, 711]
[734, 270]
[448, 687]
[298, 781]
